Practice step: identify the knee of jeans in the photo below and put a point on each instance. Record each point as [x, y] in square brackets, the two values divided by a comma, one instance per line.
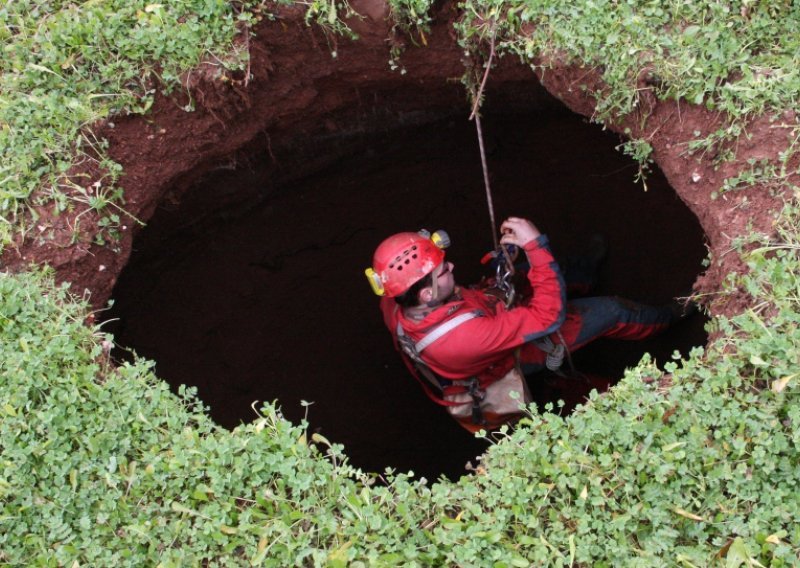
[619, 304]
[614, 307]
[626, 306]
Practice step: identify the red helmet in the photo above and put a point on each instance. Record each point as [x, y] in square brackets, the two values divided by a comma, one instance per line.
[403, 259]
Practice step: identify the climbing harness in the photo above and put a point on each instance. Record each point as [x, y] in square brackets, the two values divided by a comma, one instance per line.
[474, 406]
[413, 350]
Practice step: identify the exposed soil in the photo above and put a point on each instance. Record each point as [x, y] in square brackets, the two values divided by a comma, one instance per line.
[316, 158]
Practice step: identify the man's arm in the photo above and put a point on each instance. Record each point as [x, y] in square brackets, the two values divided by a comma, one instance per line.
[545, 310]
[484, 341]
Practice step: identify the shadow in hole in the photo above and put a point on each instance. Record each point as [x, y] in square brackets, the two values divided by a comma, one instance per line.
[268, 301]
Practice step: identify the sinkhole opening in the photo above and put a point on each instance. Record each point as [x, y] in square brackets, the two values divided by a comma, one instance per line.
[250, 287]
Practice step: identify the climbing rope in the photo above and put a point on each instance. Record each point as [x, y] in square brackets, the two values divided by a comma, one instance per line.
[489, 201]
[477, 118]
[505, 267]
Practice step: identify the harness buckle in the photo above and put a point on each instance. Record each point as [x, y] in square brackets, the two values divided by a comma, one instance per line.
[477, 394]
[555, 358]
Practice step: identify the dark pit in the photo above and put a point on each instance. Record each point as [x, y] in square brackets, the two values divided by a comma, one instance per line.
[250, 287]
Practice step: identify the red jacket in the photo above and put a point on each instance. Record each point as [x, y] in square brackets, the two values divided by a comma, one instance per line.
[483, 346]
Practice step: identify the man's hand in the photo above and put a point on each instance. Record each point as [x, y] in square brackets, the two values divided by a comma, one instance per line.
[517, 231]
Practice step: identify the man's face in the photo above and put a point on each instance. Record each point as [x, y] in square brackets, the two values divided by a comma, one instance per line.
[445, 281]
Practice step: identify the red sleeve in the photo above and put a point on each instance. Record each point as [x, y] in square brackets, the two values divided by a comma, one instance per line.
[474, 346]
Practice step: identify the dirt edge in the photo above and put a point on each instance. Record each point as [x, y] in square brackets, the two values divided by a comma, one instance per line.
[296, 86]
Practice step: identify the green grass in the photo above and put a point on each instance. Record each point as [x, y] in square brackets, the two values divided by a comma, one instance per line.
[104, 466]
[738, 59]
[66, 66]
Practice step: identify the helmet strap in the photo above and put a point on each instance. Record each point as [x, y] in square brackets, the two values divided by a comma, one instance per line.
[434, 301]
[434, 304]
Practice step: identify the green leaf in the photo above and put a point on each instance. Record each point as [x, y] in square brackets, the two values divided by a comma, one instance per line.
[691, 31]
[737, 554]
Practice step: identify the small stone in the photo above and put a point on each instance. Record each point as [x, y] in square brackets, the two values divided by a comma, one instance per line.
[696, 177]
[101, 268]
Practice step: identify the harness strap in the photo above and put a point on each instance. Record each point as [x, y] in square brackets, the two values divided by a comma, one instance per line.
[412, 351]
[444, 329]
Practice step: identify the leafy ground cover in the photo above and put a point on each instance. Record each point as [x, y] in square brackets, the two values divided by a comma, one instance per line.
[735, 57]
[738, 59]
[66, 66]
[103, 466]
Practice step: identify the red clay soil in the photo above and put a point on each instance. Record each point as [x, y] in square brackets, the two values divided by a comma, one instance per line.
[303, 112]
[298, 90]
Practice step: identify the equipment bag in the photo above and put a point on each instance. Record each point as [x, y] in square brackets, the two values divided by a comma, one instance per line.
[490, 407]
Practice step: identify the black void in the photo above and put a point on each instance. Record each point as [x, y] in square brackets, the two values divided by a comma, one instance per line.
[252, 289]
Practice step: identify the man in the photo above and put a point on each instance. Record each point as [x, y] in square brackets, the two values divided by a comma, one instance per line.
[456, 335]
